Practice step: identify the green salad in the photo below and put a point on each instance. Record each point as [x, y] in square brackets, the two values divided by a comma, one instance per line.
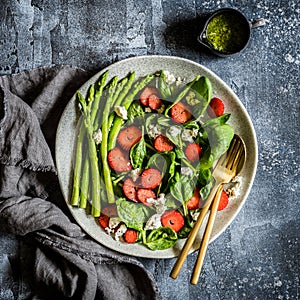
[144, 154]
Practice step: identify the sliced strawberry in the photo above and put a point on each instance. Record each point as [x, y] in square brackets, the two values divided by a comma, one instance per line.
[129, 136]
[193, 152]
[130, 189]
[144, 194]
[154, 102]
[130, 236]
[224, 200]
[195, 202]
[144, 97]
[104, 221]
[106, 213]
[162, 143]
[118, 160]
[151, 178]
[180, 113]
[216, 107]
[173, 219]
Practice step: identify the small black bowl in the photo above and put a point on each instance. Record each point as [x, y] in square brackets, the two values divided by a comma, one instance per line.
[240, 27]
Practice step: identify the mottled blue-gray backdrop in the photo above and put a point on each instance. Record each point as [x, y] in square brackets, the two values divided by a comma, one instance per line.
[257, 257]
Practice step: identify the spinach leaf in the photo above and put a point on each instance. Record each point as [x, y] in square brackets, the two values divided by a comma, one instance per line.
[150, 119]
[138, 152]
[204, 176]
[158, 161]
[219, 138]
[188, 225]
[166, 163]
[183, 189]
[161, 238]
[134, 215]
[171, 202]
[221, 120]
[164, 87]
[206, 159]
[218, 135]
[205, 191]
[163, 121]
[202, 89]
[191, 125]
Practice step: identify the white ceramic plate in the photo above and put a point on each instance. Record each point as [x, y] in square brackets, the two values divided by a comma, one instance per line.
[143, 65]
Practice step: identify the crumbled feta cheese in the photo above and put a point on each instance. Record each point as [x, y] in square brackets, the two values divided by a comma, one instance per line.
[174, 131]
[179, 81]
[154, 131]
[121, 112]
[97, 136]
[187, 171]
[153, 222]
[187, 135]
[135, 173]
[195, 215]
[233, 188]
[158, 203]
[114, 222]
[109, 231]
[170, 78]
[119, 233]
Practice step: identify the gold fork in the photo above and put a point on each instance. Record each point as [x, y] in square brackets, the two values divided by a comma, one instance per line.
[228, 166]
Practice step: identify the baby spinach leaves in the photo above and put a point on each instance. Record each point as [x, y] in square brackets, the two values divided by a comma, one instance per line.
[138, 152]
[134, 215]
[161, 238]
[219, 135]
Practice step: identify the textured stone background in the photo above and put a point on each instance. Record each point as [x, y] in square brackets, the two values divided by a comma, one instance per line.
[257, 257]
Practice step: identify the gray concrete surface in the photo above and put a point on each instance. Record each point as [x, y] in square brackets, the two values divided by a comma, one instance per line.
[257, 257]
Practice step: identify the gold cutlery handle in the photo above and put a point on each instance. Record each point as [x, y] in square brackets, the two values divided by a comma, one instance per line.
[192, 236]
[206, 237]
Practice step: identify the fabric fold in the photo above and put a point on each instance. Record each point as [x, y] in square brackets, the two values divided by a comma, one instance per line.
[68, 264]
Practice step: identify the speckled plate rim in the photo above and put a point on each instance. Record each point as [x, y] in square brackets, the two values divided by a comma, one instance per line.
[142, 65]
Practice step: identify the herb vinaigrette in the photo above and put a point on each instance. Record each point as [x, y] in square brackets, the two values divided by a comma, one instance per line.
[227, 33]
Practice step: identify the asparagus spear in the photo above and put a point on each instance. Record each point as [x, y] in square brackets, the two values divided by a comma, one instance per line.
[105, 131]
[118, 121]
[96, 205]
[84, 186]
[78, 162]
[123, 92]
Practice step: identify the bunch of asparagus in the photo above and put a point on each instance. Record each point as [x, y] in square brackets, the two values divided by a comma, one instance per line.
[92, 176]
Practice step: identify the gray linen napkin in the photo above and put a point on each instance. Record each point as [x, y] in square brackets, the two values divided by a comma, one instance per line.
[68, 264]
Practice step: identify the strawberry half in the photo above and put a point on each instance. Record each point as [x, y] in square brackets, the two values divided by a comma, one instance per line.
[154, 102]
[172, 219]
[118, 160]
[129, 136]
[216, 107]
[151, 178]
[146, 93]
[224, 200]
[193, 152]
[130, 236]
[162, 143]
[130, 190]
[179, 113]
[106, 213]
[144, 194]
[195, 202]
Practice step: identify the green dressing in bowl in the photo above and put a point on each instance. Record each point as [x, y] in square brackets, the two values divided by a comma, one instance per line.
[227, 33]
